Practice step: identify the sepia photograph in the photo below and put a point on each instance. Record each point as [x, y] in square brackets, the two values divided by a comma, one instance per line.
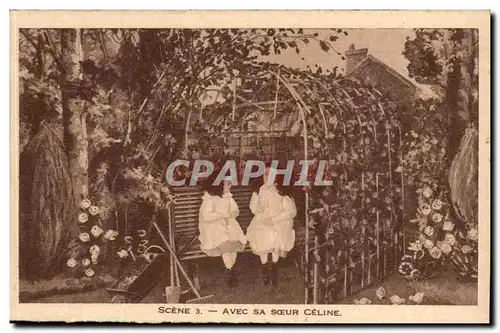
[198, 170]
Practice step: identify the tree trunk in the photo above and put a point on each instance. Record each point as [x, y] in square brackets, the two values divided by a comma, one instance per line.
[45, 205]
[41, 108]
[74, 113]
[463, 135]
[463, 177]
[40, 55]
[148, 42]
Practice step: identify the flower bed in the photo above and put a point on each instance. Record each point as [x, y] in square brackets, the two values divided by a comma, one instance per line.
[86, 251]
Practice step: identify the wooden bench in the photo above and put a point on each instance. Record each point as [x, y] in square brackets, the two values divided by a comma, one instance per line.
[185, 214]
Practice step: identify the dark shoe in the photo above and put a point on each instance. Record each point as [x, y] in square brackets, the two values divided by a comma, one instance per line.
[233, 280]
[228, 277]
[274, 274]
[265, 274]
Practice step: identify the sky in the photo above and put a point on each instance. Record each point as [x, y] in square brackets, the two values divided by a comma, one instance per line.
[385, 44]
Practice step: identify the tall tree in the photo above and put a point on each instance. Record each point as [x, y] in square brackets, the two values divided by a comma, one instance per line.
[448, 58]
[46, 198]
[74, 110]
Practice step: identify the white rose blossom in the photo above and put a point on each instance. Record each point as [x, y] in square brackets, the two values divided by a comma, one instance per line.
[122, 254]
[405, 268]
[448, 226]
[396, 300]
[446, 248]
[427, 192]
[417, 298]
[363, 301]
[96, 231]
[71, 262]
[415, 273]
[450, 239]
[84, 237]
[435, 252]
[111, 234]
[89, 272]
[426, 209]
[95, 249]
[429, 231]
[94, 210]
[85, 262]
[436, 217]
[466, 249]
[416, 246]
[472, 234]
[437, 204]
[83, 217]
[380, 293]
[85, 204]
[428, 244]
[406, 257]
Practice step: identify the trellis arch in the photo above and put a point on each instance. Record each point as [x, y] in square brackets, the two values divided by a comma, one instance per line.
[358, 129]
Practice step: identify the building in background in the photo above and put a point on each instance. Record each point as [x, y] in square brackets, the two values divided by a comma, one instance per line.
[371, 71]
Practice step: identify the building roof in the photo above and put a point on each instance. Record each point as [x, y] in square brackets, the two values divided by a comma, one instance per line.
[371, 59]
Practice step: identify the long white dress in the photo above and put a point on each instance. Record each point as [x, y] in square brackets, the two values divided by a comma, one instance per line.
[220, 232]
[271, 229]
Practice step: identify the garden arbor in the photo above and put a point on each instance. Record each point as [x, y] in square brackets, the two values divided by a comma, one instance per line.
[355, 226]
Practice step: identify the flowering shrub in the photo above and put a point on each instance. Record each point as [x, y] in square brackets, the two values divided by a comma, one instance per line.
[439, 241]
[89, 246]
[425, 165]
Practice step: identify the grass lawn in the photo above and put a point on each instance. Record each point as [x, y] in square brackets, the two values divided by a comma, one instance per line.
[31, 291]
[442, 290]
[447, 288]
[394, 285]
[250, 289]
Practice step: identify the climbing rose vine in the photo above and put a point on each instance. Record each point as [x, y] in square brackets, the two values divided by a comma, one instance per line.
[439, 239]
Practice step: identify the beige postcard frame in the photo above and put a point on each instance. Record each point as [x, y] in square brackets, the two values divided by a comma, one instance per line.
[240, 19]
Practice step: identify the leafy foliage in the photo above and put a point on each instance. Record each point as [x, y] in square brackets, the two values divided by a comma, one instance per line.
[140, 87]
[425, 145]
[434, 53]
[447, 58]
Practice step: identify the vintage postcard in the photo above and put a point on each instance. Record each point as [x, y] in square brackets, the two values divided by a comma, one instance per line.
[250, 166]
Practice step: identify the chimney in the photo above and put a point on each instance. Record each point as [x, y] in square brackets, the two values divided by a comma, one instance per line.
[353, 57]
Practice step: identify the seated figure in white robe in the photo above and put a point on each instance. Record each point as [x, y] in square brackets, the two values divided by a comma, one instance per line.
[271, 230]
[220, 232]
